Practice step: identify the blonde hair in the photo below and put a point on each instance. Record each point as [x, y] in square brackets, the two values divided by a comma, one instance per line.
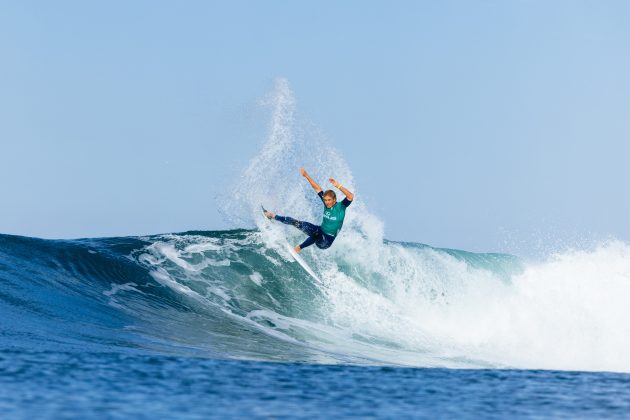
[330, 193]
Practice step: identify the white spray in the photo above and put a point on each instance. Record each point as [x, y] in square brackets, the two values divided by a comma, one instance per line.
[425, 306]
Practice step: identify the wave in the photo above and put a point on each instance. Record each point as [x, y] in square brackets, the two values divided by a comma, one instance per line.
[229, 294]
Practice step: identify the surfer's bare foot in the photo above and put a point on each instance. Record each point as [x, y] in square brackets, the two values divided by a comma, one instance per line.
[297, 249]
[269, 215]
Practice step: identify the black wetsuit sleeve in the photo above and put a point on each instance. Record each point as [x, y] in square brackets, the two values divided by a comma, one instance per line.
[345, 202]
[321, 196]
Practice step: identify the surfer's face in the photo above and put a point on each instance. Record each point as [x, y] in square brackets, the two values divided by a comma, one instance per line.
[329, 201]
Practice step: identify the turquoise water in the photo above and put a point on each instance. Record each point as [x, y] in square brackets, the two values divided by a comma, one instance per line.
[224, 323]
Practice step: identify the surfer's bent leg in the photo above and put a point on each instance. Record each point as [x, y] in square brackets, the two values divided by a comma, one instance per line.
[306, 227]
[324, 241]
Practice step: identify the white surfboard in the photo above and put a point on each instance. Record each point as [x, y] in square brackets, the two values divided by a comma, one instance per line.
[299, 259]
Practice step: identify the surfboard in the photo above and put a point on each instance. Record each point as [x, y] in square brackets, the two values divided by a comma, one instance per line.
[297, 256]
[301, 261]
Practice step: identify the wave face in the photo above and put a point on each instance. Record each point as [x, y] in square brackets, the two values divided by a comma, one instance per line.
[231, 294]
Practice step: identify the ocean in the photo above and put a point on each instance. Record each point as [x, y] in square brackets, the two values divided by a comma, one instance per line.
[203, 324]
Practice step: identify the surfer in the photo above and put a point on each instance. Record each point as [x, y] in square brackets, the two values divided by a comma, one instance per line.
[334, 213]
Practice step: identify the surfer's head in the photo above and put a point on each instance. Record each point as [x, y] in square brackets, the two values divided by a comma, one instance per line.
[330, 198]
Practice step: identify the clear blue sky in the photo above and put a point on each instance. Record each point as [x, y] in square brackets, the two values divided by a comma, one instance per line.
[479, 125]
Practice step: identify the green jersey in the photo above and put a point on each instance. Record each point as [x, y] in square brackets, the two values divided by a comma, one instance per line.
[333, 217]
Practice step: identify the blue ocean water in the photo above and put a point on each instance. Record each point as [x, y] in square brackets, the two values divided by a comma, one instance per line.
[223, 323]
[115, 385]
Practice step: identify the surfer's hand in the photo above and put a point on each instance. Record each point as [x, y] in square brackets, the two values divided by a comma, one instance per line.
[335, 183]
[303, 172]
[297, 249]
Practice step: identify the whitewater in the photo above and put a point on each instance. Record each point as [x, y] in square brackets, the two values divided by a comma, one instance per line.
[237, 294]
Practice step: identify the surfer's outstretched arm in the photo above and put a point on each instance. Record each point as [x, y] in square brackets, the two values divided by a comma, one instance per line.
[343, 189]
[305, 174]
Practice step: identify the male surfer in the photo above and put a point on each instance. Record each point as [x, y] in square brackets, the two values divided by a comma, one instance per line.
[334, 213]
